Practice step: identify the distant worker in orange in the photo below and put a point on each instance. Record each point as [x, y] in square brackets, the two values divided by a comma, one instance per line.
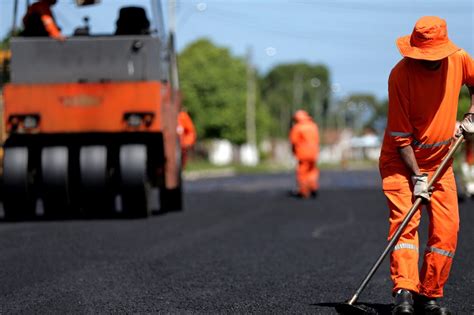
[39, 20]
[423, 91]
[187, 135]
[304, 138]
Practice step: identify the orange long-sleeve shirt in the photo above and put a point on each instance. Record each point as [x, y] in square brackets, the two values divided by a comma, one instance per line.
[422, 108]
[304, 136]
[186, 130]
[43, 10]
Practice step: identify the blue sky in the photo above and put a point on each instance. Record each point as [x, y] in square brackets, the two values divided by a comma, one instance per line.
[354, 38]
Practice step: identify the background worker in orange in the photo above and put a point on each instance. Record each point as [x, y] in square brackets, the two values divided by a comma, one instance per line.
[423, 95]
[304, 138]
[187, 135]
[39, 20]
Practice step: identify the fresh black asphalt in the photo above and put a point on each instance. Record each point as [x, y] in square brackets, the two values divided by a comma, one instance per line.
[241, 246]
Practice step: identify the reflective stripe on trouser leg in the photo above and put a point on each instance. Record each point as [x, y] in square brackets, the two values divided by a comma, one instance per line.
[442, 238]
[306, 176]
[404, 257]
[405, 246]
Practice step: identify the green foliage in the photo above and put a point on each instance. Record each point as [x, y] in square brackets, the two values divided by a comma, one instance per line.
[5, 42]
[289, 87]
[264, 120]
[464, 103]
[214, 87]
[367, 111]
[361, 111]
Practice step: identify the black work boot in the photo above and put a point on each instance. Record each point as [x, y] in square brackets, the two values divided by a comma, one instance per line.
[297, 194]
[429, 306]
[403, 303]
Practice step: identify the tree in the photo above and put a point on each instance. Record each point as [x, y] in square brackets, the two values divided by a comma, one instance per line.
[5, 59]
[5, 42]
[464, 103]
[214, 87]
[363, 110]
[289, 87]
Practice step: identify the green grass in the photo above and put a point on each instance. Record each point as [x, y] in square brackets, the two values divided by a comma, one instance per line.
[268, 167]
[264, 167]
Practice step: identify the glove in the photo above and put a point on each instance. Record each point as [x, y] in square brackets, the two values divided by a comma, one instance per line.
[420, 183]
[467, 124]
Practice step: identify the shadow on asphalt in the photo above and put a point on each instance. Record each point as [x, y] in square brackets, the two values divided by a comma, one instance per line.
[369, 308]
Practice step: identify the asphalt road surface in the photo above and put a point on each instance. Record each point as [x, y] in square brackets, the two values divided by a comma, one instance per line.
[241, 246]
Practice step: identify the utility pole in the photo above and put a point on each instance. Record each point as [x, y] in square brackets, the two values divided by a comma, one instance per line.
[250, 124]
[172, 31]
[15, 13]
[249, 153]
[170, 125]
[172, 16]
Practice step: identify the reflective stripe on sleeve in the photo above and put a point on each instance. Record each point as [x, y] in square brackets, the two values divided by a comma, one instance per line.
[405, 246]
[440, 251]
[400, 134]
[430, 145]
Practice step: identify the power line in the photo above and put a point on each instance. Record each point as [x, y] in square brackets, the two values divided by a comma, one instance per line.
[316, 35]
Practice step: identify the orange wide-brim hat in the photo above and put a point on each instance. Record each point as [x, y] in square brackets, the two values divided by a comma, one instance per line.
[428, 41]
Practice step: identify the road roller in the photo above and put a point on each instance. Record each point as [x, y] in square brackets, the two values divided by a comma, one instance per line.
[91, 120]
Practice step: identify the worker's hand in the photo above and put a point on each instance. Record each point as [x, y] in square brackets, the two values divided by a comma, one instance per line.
[420, 184]
[466, 125]
[457, 129]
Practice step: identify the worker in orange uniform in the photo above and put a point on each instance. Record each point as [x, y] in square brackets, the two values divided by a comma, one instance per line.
[304, 138]
[187, 135]
[423, 91]
[39, 20]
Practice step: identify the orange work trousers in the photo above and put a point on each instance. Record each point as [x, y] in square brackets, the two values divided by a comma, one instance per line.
[442, 235]
[184, 157]
[307, 176]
